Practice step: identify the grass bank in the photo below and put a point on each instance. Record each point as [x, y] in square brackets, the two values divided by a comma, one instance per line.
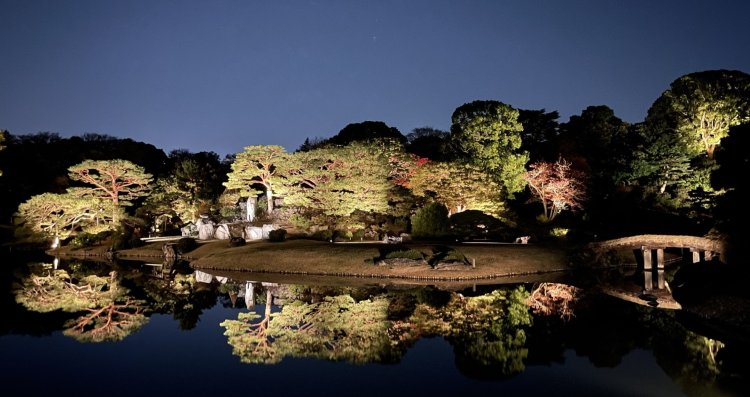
[317, 258]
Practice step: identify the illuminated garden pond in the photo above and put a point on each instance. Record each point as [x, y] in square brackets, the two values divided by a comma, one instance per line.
[84, 328]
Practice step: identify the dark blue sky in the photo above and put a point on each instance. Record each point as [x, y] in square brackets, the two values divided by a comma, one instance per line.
[220, 75]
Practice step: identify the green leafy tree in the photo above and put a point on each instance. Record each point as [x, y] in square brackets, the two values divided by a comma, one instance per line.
[682, 130]
[117, 181]
[701, 107]
[334, 182]
[458, 186]
[60, 215]
[192, 185]
[488, 134]
[259, 166]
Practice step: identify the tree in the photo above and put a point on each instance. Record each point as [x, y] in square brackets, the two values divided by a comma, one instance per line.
[557, 186]
[733, 158]
[259, 166]
[331, 183]
[456, 185]
[366, 131]
[118, 181]
[430, 143]
[681, 132]
[60, 215]
[488, 134]
[700, 107]
[193, 183]
[540, 133]
[597, 142]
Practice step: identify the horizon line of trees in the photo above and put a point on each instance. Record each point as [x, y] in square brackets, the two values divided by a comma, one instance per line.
[495, 159]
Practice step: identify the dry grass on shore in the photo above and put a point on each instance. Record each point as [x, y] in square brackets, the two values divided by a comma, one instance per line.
[309, 257]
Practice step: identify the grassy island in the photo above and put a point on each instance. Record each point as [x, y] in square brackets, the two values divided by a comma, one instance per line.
[310, 257]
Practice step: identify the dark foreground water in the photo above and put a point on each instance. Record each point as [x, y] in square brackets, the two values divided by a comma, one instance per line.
[85, 329]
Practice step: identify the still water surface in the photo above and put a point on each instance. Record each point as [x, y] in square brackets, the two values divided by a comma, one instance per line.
[189, 333]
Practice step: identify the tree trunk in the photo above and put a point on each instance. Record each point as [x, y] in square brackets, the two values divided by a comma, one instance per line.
[269, 197]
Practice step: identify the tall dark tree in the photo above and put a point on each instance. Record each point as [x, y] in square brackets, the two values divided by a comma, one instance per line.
[733, 158]
[430, 143]
[366, 131]
[539, 135]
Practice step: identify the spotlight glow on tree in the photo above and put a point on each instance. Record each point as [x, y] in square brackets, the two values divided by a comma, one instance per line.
[557, 186]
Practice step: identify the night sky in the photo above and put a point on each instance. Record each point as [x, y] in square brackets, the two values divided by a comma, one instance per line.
[220, 75]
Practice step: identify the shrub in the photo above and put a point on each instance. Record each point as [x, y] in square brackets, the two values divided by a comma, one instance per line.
[84, 240]
[405, 254]
[430, 221]
[186, 244]
[358, 234]
[277, 235]
[125, 238]
[473, 224]
[236, 242]
[324, 235]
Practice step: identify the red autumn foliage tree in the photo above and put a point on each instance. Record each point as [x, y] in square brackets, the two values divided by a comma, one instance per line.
[557, 186]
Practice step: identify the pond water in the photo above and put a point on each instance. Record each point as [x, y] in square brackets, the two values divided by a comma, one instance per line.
[84, 328]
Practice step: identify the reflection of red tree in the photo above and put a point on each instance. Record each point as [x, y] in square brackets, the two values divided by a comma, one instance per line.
[557, 186]
[108, 320]
[553, 298]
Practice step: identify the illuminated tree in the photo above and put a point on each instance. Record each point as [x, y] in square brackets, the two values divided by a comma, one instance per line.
[681, 132]
[702, 106]
[259, 166]
[557, 186]
[117, 181]
[63, 214]
[456, 185]
[488, 134]
[193, 184]
[334, 182]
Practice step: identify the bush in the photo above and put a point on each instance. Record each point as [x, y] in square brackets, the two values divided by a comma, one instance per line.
[186, 244]
[430, 221]
[324, 235]
[473, 224]
[358, 234]
[277, 235]
[405, 254]
[125, 238]
[236, 242]
[84, 240]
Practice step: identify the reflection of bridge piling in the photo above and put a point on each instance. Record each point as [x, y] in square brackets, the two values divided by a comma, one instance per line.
[652, 262]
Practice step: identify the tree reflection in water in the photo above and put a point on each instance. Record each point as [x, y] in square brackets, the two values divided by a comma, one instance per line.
[492, 334]
[487, 332]
[109, 313]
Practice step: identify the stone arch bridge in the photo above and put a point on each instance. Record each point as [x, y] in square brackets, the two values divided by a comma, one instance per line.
[649, 252]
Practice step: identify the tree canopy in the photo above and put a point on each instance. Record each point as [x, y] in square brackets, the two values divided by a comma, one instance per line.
[488, 134]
